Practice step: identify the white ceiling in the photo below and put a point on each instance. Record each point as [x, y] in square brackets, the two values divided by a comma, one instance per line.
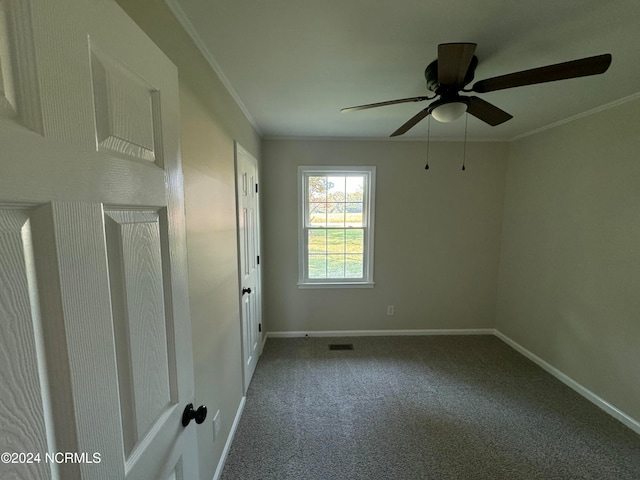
[293, 64]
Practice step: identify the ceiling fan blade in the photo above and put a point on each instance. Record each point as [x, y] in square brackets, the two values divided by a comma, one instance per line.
[382, 104]
[560, 71]
[411, 122]
[453, 62]
[487, 112]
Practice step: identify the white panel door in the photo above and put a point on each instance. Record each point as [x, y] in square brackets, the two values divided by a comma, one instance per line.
[249, 248]
[95, 343]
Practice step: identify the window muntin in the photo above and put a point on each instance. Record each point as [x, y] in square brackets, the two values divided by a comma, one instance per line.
[337, 233]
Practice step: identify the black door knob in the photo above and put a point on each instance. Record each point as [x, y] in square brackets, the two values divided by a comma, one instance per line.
[190, 414]
[246, 290]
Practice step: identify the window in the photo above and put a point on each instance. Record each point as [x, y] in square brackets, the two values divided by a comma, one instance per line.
[336, 226]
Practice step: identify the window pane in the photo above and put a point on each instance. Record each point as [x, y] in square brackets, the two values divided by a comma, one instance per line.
[335, 214]
[355, 189]
[317, 266]
[317, 214]
[335, 266]
[353, 215]
[317, 241]
[318, 189]
[335, 241]
[354, 241]
[337, 186]
[354, 266]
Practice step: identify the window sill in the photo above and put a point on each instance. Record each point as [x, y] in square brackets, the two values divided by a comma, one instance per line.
[337, 285]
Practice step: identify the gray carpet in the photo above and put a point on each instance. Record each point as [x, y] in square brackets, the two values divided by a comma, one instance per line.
[404, 408]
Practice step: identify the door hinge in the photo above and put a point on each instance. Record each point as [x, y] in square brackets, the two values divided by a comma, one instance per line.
[256, 188]
[259, 327]
[258, 259]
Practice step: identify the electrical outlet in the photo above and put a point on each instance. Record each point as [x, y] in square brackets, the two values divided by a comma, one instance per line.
[391, 310]
[216, 425]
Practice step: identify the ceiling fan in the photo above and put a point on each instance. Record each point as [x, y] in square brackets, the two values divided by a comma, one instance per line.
[454, 69]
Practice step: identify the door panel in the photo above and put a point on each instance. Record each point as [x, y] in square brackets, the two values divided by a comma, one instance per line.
[146, 370]
[92, 245]
[19, 92]
[127, 110]
[23, 387]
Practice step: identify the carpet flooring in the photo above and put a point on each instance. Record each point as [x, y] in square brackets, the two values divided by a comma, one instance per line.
[432, 407]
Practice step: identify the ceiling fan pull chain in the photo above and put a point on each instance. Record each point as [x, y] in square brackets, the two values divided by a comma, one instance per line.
[464, 148]
[426, 167]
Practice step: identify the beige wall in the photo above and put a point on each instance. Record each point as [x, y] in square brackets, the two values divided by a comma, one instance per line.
[437, 237]
[210, 121]
[569, 288]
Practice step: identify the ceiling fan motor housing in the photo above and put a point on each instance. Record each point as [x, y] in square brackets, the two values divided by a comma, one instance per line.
[431, 75]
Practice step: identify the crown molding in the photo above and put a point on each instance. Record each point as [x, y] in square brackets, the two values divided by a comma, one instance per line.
[593, 111]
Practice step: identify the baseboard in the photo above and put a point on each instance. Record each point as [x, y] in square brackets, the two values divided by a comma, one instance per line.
[227, 445]
[630, 422]
[380, 333]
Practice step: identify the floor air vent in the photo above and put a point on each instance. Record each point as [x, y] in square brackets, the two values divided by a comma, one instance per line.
[340, 346]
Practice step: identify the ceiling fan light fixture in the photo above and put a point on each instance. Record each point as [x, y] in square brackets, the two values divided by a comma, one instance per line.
[448, 112]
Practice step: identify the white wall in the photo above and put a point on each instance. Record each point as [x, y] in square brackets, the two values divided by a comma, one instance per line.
[436, 240]
[210, 122]
[569, 288]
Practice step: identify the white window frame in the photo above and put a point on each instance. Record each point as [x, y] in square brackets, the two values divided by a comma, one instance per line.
[368, 219]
